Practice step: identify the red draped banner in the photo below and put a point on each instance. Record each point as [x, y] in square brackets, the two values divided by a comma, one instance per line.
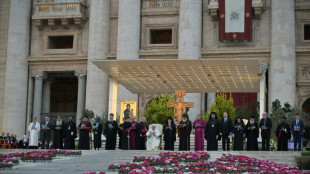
[233, 15]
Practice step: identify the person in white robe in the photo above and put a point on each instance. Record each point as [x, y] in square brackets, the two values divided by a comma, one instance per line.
[153, 140]
[34, 130]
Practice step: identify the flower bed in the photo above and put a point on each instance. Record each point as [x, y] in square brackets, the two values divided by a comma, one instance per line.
[5, 165]
[182, 163]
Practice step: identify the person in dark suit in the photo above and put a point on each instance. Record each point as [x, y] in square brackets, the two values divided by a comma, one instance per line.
[297, 127]
[226, 131]
[265, 125]
[97, 130]
[47, 126]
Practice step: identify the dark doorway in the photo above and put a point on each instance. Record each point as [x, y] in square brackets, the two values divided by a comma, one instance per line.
[64, 94]
[306, 106]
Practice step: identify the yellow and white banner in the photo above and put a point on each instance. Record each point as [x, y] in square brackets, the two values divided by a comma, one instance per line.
[234, 16]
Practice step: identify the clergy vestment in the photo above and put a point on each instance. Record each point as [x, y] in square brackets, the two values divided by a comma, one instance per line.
[126, 136]
[199, 126]
[142, 129]
[238, 136]
[120, 132]
[252, 134]
[184, 134]
[58, 134]
[212, 134]
[133, 135]
[34, 130]
[70, 133]
[265, 133]
[97, 131]
[283, 134]
[46, 133]
[84, 128]
[169, 136]
[110, 132]
[226, 130]
[153, 140]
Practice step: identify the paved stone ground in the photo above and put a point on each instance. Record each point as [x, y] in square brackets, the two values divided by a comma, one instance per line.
[98, 161]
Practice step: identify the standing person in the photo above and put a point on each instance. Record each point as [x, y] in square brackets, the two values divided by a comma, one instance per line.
[97, 131]
[47, 126]
[169, 134]
[142, 129]
[184, 131]
[283, 134]
[34, 130]
[226, 131]
[297, 127]
[120, 134]
[238, 134]
[70, 133]
[110, 131]
[58, 133]
[265, 125]
[84, 128]
[252, 134]
[199, 126]
[126, 134]
[212, 132]
[133, 133]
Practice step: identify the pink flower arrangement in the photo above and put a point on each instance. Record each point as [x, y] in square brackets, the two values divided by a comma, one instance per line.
[183, 164]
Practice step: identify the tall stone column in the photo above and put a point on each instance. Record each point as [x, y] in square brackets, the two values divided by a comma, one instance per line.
[46, 97]
[128, 39]
[128, 36]
[38, 88]
[283, 56]
[263, 90]
[190, 28]
[97, 87]
[81, 75]
[16, 75]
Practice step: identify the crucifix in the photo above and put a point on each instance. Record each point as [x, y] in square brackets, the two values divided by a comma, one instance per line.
[180, 106]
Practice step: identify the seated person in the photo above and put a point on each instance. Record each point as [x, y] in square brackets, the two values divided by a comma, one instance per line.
[7, 138]
[153, 140]
[2, 135]
[23, 144]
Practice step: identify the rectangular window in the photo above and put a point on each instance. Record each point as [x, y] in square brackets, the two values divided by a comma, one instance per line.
[161, 36]
[307, 32]
[60, 42]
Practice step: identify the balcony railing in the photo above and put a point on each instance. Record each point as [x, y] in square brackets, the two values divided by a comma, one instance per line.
[160, 3]
[74, 10]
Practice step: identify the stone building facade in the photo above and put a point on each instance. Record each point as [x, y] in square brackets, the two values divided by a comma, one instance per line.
[48, 49]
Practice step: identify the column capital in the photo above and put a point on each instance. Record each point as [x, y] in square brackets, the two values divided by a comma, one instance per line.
[80, 74]
[264, 67]
[39, 75]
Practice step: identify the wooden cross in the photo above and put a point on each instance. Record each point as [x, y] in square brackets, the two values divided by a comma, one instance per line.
[180, 106]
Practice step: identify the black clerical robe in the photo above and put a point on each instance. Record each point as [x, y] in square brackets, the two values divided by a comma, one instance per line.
[120, 132]
[58, 135]
[125, 136]
[70, 133]
[110, 131]
[184, 134]
[142, 129]
[283, 134]
[212, 132]
[252, 135]
[84, 135]
[169, 136]
[238, 136]
[97, 131]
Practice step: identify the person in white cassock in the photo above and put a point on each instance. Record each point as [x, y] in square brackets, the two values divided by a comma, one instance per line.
[34, 130]
[153, 140]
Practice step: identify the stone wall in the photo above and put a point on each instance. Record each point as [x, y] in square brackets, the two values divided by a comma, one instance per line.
[4, 25]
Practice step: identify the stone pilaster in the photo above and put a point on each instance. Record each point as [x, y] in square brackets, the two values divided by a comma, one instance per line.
[283, 56]
[128, 36]
[190, 26]
[46, 101]
[81, 75]
[38, 88]
[263, 90]
[16, 75]
[97, 87]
